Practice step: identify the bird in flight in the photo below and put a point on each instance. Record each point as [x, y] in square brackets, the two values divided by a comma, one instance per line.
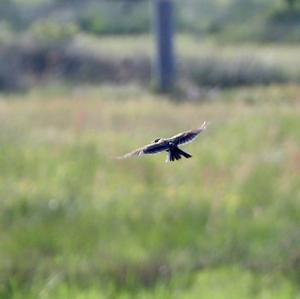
[169, 145]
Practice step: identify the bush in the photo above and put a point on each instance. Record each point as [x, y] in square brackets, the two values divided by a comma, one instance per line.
[116, 18]
[30, 61]
[27, 63]
[215, 71]
[49, 32]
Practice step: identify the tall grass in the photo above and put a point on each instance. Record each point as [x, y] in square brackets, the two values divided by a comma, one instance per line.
[76, 223]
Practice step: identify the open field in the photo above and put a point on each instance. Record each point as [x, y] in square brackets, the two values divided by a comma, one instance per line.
[75, 223]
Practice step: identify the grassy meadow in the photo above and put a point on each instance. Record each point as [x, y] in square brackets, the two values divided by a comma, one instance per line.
[75, 223]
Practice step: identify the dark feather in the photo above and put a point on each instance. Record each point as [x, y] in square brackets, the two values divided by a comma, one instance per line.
[183, 153]
[152, 148]
[187, 136]
[156, 148]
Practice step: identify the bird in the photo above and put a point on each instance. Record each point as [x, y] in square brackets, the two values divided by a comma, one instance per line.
[169, 145]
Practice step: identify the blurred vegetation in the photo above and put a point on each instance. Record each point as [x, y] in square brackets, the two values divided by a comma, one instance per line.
[231, 20]
[75, 223]
[54, 53]
[42, 40]
[291, 3]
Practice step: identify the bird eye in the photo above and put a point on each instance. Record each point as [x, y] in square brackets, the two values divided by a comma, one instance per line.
[156, 140]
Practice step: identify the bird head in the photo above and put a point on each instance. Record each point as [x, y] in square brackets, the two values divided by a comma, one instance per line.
[157, 140]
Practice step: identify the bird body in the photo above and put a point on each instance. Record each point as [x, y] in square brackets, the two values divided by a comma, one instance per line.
[170, 145]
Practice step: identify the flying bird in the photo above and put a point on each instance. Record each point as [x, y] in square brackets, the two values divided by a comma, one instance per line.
[169, 145]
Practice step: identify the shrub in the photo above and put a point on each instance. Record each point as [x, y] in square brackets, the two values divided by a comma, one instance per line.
[49, 32]
[215, 71]
[116, 18]
[26, 63]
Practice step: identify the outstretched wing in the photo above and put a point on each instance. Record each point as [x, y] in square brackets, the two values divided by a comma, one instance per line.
[188, 136]
[152, 148]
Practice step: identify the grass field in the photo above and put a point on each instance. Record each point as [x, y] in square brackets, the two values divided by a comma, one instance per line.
[75, 223]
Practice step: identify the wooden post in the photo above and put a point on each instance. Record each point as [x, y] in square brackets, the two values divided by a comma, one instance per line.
[164, 32]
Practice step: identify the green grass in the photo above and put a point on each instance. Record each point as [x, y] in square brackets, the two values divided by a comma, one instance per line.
[75, 223]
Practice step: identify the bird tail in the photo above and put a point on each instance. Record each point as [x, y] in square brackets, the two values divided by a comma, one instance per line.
[183, 153]
[173, 155]
[176, 153]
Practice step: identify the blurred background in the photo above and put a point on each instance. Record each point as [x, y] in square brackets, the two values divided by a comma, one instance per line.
[79, 84]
